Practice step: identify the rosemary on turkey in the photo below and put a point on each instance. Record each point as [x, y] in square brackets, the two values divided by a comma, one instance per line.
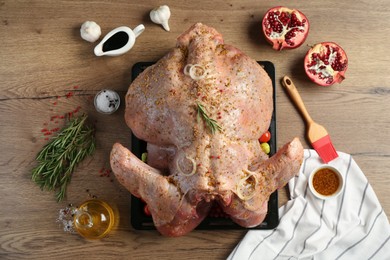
[211, 123]
[58, 159]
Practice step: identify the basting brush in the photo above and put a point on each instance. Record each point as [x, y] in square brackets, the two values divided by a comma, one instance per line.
[317, 134]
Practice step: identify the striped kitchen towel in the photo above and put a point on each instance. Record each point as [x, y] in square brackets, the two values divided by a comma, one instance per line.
[350, 226]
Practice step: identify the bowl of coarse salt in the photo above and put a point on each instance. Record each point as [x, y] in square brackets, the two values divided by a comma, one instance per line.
[326, 182]
[107, 101]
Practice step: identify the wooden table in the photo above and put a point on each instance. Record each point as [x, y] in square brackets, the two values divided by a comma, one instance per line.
[46, 70]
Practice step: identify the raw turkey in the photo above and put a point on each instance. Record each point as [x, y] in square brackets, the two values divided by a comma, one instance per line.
[201, 110]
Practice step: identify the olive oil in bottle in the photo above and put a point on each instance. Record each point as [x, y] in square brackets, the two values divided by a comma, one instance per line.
[94, 219]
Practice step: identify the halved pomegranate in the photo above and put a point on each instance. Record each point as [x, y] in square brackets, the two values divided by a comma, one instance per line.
[285, 28]
[326, 63]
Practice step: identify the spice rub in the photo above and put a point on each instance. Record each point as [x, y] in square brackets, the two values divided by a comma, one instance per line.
[326, 181]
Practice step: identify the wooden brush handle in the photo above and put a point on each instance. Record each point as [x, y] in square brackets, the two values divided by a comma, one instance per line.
[294, 95]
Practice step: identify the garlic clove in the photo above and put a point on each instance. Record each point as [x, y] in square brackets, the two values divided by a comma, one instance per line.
[90, 31]
[165, 25]
[161, 15]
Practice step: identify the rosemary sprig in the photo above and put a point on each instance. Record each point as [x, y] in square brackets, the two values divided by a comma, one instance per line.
[211, 123]
[59, 158]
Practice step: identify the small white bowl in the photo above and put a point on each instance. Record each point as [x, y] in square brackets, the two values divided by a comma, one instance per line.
[107, 101]
[128, 42]
[322, 196]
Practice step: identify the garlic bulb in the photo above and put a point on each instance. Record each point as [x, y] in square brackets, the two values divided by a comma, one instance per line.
[161, 15]
[90, 31]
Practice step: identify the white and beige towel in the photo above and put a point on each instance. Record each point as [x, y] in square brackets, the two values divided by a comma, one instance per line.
[351, 226]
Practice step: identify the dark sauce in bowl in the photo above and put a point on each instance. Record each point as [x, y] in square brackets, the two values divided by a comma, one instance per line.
[116, 41]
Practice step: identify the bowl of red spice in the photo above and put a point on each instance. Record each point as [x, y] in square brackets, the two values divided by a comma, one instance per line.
[326, 182]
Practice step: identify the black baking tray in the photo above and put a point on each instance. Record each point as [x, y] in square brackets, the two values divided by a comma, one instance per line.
[140, 221]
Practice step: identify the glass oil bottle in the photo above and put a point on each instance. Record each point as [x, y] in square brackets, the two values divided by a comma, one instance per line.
[94, 219]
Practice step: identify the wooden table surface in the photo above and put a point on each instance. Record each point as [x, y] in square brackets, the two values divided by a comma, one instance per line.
[47, 70]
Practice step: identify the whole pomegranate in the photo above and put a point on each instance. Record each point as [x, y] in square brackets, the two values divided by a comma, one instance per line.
[285, 28]
[326, 63]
